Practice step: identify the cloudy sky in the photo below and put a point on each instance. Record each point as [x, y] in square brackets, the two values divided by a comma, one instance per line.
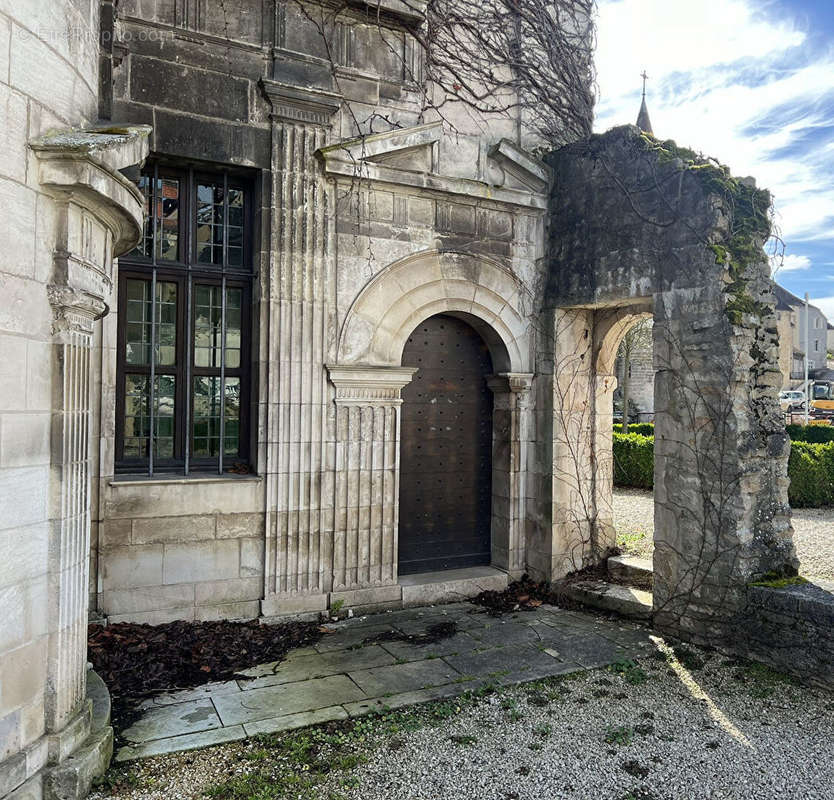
[750, 82]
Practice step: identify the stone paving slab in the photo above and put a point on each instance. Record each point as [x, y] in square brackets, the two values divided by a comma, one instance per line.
[172, 720]
[498, 662]
[179, 744]
[452, 645]
[381, 704]
[321, 665]
[345, 638]
[208, 690]
[501, 634]
[290, 722]
[404, 677]
[342, 676]
[287, 698]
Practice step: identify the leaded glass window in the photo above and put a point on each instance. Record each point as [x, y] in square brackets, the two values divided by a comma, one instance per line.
[184, 327]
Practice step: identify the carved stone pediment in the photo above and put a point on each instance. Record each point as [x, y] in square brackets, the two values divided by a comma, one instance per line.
[515, 167]
[408, 149]
[408, 157]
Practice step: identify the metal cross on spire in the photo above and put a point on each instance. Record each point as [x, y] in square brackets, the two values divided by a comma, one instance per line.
[643, 121]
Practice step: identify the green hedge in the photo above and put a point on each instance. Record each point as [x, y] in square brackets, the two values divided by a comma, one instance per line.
[643, 428]
[810, 468]
[818, 434]
[633, 460]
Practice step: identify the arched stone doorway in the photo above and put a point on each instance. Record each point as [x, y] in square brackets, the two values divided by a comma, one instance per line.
[445, 509]
[369, 380]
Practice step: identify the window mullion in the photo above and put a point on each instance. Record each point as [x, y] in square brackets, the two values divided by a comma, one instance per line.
[222, 375]
[220, 451]
[152, 386]
[191, 232]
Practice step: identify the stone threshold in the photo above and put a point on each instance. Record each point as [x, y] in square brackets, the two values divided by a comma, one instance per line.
[426, 588]
[419, 589]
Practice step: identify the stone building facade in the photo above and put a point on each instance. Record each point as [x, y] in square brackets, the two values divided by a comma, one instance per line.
[66, 212]
[354, 242]
[795, 338]
[276, 337]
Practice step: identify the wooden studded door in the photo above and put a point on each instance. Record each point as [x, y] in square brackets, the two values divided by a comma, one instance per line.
[446, 449]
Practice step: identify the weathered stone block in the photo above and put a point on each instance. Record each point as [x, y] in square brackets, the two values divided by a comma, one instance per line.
[243, 610]
[238, 526]
[149, 598]
[173, 529]
[184, 88]
[231, 591]
[201, 561]
[127, 567]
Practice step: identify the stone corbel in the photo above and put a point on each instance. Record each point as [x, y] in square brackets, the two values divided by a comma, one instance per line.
[362, 384]
[99, 215]
[83, 166]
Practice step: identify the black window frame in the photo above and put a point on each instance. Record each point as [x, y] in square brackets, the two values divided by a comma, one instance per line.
[187, 273]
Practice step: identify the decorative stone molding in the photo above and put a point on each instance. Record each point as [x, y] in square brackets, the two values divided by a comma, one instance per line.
[413, 11]
[74, 310]
[361, 384]
[291, 104]
[406, 292]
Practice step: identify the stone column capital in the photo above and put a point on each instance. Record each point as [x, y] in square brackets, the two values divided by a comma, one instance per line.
[515, 382]
[74, 310]
[368, 384]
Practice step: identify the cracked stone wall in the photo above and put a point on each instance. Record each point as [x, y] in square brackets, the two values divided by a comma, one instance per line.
[630, 225]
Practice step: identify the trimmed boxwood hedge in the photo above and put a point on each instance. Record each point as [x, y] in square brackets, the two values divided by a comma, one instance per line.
[819, 434]
[633, 460]
[810, 468]
[643, 428]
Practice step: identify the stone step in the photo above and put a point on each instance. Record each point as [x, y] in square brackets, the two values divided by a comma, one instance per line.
[631, 569]
[624, 600]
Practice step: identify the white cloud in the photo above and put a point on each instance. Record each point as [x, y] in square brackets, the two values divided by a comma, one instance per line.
[826, 305]
[715, 73]
[789, 263]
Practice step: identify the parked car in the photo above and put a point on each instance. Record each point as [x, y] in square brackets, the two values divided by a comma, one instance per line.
[792, 400]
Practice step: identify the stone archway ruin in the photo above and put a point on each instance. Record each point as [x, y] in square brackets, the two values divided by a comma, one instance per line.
[639, 224]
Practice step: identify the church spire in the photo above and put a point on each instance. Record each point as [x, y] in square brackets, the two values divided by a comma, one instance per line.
[643, 121]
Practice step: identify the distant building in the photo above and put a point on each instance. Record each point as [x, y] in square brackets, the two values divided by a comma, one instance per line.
[794, 337]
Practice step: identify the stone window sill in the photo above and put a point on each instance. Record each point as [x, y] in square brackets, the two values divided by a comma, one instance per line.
[144, 480]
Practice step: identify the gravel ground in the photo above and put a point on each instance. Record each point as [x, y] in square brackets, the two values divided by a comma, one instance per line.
[654, 731]
[813, 532]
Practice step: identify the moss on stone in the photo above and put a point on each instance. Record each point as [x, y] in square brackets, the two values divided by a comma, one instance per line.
[750, 209]
[775, 581]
